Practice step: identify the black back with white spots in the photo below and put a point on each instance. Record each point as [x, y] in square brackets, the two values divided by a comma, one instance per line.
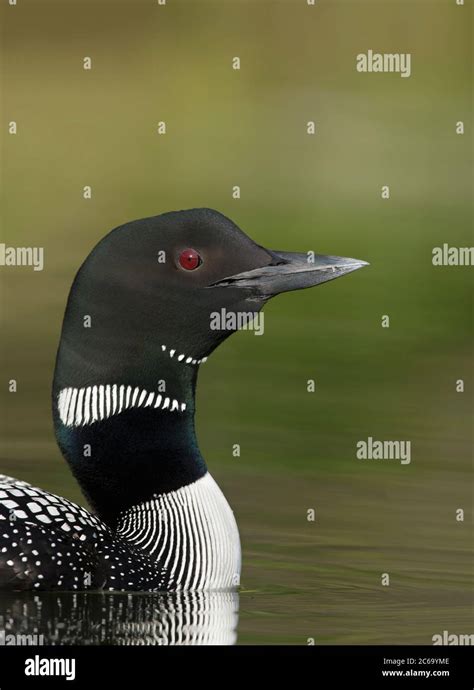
[48, 542]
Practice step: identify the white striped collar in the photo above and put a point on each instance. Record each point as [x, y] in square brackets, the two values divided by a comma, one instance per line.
[83, 406]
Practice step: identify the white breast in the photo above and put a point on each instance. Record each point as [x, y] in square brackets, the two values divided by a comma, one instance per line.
[193, 532]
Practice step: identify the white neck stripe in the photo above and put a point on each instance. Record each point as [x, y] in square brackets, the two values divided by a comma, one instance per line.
[83, 406]
[186, 359]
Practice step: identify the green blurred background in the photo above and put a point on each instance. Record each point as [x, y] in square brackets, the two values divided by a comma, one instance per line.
[173, 63]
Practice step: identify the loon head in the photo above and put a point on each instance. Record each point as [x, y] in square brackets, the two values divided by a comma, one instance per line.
[138, 324]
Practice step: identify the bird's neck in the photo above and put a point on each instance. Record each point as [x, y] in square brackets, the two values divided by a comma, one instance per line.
[121, 448]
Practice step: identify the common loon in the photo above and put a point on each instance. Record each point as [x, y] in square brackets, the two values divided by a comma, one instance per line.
[135, 331]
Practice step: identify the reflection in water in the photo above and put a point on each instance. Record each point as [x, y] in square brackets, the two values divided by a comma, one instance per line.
[191, 618]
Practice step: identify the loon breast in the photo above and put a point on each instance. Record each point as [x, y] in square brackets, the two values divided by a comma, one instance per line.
[192, 531]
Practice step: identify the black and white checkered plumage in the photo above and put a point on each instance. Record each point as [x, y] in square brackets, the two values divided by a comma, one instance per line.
[48, 542]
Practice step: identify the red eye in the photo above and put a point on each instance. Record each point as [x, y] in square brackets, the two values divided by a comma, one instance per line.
[189, 259]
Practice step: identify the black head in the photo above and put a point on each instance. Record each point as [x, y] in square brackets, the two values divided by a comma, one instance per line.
[140, 290]
[140, 313]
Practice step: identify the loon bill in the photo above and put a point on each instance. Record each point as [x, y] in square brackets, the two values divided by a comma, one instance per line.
[135, 332]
